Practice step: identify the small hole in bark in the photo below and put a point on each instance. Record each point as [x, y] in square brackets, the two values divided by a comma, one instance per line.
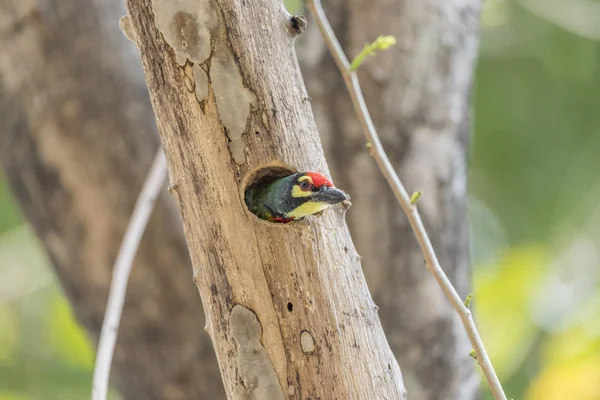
[290, 307]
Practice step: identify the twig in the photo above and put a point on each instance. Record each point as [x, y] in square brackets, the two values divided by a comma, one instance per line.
[118, 287]
[402, 196]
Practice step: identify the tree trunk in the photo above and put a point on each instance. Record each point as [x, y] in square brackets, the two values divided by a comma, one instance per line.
[76, 141]
[418, 95]
[287, 305]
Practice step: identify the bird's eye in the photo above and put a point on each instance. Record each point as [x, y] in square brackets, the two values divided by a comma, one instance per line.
[306, 186]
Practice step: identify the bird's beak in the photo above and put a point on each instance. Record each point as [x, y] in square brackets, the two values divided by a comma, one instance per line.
[329, 195]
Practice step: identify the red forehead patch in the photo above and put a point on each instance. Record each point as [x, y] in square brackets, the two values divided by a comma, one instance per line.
[319, 180]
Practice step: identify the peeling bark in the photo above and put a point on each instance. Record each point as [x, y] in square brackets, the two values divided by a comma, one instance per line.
[418, 95]
[285, 279]
[76, 141]
[259, 380]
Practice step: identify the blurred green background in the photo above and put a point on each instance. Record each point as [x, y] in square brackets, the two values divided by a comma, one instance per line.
[534, 214]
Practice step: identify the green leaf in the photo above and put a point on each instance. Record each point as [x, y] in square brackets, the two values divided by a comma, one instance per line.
[381, 43]
[415, 197]
[468, 300]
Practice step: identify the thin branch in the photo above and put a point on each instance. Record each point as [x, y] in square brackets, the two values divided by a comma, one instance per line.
[403, 198]
[118, 287]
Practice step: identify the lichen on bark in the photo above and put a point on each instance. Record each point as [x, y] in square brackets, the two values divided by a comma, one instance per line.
[259, 380]
[196, 33]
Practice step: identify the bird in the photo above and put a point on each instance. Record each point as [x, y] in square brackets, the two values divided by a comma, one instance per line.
[293, 197]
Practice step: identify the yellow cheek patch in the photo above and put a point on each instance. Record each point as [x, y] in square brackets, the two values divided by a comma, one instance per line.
[297, 192]
[308, 208]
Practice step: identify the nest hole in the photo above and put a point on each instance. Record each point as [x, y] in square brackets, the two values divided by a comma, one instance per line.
[262, 177]
[265, 176]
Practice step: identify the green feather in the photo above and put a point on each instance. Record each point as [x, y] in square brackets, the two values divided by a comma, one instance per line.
[272, 200]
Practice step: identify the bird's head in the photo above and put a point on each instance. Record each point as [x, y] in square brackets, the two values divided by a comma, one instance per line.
[309, 193]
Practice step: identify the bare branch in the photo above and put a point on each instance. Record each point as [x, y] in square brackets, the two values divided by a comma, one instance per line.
[377, 151]
[118, 287]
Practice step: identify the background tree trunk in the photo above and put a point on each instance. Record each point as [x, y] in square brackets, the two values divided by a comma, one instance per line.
[76, 140]
[287, 306]
[418, 95]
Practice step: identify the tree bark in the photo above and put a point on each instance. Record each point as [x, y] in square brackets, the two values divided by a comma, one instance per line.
[287, 305]
[418, 95]
[76, 141]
